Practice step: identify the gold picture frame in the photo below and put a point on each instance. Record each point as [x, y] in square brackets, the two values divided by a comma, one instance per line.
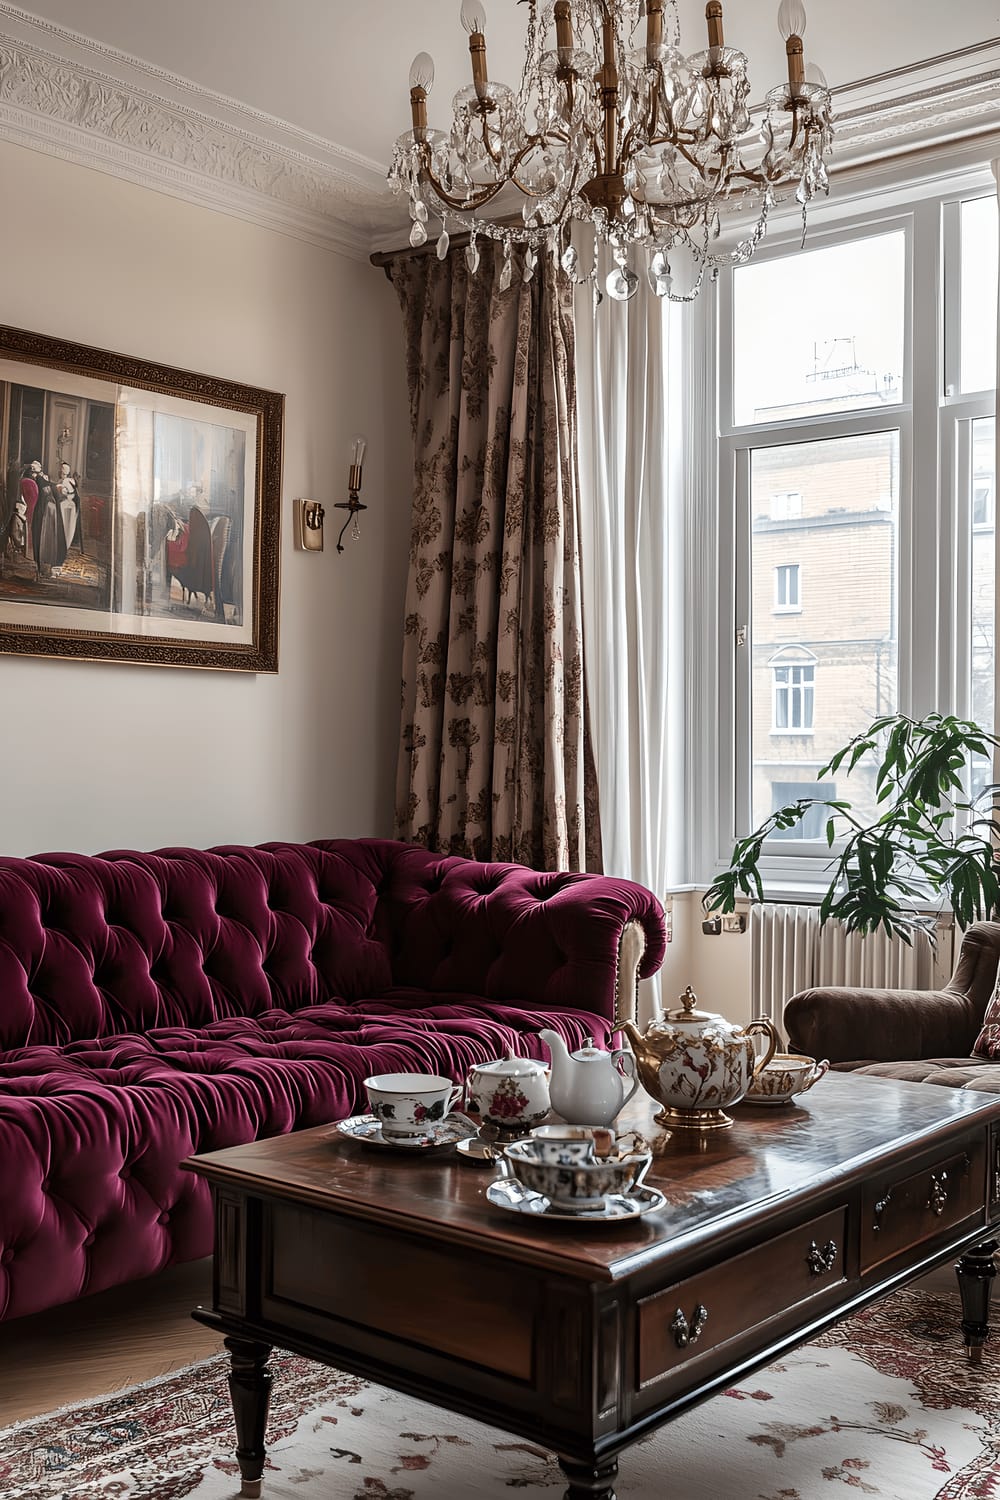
[139, 510]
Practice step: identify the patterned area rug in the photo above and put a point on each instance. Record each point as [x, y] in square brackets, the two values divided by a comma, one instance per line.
[883, 1405]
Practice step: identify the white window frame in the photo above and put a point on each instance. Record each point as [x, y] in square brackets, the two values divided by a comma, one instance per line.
[934, 658]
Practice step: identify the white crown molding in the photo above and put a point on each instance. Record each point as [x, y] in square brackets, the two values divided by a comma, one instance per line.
[89, 104]
[71, 97]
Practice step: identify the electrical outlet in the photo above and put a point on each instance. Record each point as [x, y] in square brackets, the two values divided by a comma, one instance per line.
[668, 919]
[734, 921]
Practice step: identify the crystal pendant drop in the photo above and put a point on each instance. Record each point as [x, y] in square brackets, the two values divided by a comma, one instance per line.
[444, 240]
[418, 210]
[598, 296]
[472, 257]
[530, 259]
[506, 272]
[569, 260]
[418, 234]
[622, 284]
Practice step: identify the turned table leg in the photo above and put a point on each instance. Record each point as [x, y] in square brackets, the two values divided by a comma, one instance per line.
[590, 1481]
[250, 1389]
[975, 1272]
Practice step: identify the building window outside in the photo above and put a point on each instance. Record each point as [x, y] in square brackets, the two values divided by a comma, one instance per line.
[794, 698]
[787, 597]
[786, 506]
[863, 444]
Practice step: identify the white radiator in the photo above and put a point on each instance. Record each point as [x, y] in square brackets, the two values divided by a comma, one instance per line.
[789, 951]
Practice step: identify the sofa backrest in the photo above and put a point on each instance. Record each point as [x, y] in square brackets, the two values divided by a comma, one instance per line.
[98, 945]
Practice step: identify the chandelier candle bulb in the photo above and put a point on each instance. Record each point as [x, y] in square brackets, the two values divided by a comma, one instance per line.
[563, 16]
[713, 15]
[421, 83]
[474, 21]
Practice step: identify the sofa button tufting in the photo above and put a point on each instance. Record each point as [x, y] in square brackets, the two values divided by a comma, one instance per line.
[164, 1218]
[89, 1240]
[125, 1174]
[6, 1257]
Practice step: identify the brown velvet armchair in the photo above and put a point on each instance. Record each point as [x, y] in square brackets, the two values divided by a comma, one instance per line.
[925, 1036]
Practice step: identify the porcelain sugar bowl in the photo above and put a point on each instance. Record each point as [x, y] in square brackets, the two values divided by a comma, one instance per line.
[510, 1095]
[695, 1063]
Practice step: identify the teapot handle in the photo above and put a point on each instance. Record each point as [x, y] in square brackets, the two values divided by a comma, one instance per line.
[624, 1061]
[763, 1027]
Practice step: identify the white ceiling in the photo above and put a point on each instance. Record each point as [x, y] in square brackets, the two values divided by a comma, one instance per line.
[338, 70]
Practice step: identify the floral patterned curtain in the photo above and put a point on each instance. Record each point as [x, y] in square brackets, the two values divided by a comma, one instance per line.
[495, 757]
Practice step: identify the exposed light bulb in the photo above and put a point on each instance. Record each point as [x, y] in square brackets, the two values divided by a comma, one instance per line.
[473, 16]
[422, 72]
[815, 74]
[358, 446]
[791, 18]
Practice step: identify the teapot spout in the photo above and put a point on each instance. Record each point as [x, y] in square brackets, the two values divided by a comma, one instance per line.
[557, 1047]
[636, 1040]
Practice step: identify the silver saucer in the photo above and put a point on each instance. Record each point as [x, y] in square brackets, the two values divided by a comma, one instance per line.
[444, 1135]
[509, 1193]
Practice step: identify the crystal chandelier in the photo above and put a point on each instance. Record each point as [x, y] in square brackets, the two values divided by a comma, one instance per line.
[645, 144]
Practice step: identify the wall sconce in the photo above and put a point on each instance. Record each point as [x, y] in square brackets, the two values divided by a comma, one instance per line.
[310, 514]
[352, 504]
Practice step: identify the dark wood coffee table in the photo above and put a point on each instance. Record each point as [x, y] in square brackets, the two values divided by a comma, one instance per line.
[582, 1338]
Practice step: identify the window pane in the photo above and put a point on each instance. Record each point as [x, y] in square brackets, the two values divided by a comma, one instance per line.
[820, 675]
[983, 568]
[820, 331]
[979, 294]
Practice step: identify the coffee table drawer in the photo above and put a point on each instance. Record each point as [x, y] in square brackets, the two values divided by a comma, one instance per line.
[903, 1211]
[694, 1318]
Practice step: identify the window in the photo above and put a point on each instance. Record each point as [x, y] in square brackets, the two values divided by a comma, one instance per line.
[794, 692]
[813, 825]
[874, 407]
[786, 506]
[786, 588]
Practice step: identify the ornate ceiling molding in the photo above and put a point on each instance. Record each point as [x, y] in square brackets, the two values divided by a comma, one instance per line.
[89, 104]
[70, 97]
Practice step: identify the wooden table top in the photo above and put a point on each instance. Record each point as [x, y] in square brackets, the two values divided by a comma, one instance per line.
[845, 1129]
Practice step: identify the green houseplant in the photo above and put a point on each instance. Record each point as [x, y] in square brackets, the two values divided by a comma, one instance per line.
[930, 841]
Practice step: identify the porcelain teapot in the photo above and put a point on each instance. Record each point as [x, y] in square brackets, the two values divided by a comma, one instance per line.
[695, 1063]
[587, 1086]
[510, 1094]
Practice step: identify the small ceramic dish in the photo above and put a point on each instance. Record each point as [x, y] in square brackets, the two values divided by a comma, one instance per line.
[509, 1193]
[443, 1135]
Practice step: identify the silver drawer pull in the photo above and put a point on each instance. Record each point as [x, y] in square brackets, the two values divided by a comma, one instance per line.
[686, 1333]
[938, 1195]
[820, 1261]
[880, 1208]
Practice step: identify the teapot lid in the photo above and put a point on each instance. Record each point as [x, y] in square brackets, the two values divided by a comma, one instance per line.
[589, 1051]
[687, 1011]
[510, 1066]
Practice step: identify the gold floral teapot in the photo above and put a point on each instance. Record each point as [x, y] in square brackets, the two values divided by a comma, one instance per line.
[695, 1063]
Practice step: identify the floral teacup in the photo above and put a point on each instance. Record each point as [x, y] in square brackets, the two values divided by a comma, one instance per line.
[407, 1103]
[787, 1074]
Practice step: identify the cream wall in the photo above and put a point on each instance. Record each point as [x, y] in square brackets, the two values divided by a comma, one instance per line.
[103, 756]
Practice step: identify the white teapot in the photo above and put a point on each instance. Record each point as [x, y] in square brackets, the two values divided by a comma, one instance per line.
[587, 1086]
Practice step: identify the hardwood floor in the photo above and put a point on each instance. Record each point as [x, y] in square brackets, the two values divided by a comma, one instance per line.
[104, 1343]
[135, 1333]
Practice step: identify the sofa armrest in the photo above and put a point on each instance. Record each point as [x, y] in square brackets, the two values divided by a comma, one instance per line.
[844, 1025]
[546, 940]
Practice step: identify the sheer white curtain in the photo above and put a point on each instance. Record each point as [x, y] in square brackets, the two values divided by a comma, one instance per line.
[631, 544]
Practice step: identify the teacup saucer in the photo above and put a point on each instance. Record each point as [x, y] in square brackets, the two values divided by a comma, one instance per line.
[508, 1193]
[444, 1135]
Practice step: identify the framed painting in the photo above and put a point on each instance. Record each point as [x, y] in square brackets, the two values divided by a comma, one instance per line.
[139, 510]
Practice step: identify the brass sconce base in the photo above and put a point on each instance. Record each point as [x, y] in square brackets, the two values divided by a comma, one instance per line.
[309, 516]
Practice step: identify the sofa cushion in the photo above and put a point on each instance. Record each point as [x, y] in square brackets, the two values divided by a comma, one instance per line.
[953, 1072]
[92, 1133]
[987, 1043]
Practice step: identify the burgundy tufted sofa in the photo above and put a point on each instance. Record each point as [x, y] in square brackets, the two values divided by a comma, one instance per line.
[156, 1005]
